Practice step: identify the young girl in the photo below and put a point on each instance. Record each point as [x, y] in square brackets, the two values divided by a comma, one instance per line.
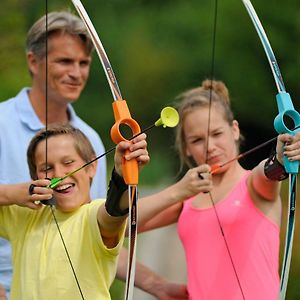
[229, 222]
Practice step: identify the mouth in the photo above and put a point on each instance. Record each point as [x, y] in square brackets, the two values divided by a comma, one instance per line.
[213, 160]
[73, 84]
[64, 188]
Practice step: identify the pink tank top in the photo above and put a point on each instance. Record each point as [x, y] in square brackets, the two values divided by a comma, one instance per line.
[252, 238]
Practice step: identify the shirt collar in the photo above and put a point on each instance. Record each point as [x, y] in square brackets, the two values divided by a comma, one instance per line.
[27, 114]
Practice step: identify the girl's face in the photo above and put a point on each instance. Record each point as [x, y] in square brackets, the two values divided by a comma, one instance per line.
[222, 137]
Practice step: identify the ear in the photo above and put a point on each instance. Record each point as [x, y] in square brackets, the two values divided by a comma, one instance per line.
[91, 169]
[187, 152]
[32, 62]
[235, 130]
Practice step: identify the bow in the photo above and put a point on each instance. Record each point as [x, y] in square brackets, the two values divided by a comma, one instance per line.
[286, 109]
[129, 168]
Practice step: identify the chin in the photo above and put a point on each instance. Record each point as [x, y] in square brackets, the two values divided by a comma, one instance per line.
[67, 209]
[66, 206]
[72, 97]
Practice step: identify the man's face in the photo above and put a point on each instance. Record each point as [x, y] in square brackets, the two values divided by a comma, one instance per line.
[68, 68]
[62, 158]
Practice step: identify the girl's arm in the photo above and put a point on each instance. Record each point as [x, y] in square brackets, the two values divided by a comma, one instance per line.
[163, 208]
[265, 187]
[264, 191]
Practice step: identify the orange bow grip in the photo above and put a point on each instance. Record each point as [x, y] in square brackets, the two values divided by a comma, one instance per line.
[122, 115]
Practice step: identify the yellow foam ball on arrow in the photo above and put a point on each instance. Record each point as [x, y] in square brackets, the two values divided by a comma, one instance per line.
[169, 117]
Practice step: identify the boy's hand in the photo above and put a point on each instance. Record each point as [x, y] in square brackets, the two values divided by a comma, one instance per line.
[30, 194]
[138, 151]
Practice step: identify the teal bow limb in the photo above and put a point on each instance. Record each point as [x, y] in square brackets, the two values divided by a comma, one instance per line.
[286, 110]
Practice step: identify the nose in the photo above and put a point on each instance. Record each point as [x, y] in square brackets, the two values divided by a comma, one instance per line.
[210, 146]
[75, 70]
[58, 172]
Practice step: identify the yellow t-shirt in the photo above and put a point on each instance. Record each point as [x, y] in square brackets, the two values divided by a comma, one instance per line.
[41, 267]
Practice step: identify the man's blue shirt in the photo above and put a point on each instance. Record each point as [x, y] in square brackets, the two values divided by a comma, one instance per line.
[18, 124]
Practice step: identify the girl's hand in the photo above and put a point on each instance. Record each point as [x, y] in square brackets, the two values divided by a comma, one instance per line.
[195, 181]
[288, 145]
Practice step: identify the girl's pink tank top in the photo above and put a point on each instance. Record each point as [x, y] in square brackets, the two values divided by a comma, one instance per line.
[253, 241]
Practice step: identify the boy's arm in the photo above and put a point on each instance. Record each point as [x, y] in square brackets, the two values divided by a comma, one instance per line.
[20, 194]
[113, 214]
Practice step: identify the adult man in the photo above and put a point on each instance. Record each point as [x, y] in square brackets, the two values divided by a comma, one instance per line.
[69, 56]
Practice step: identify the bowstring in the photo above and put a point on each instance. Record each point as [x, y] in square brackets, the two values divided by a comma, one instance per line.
[46, 156]
[212, 72]
[46, 92]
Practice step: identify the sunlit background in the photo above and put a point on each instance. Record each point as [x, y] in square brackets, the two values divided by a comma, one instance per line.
[159, 49]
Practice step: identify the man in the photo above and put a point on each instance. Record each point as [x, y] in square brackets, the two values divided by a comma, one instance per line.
[92, 231]
[69, 58]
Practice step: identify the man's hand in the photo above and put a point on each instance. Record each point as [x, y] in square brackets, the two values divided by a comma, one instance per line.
[172, 291]
[2, 293]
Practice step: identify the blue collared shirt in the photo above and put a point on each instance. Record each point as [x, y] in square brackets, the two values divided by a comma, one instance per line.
[18, 124]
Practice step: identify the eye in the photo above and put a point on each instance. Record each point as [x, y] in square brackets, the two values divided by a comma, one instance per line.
[68, 162]
[197, 140]
[45, 169]
[65, 61]
[217, 133]
[84, 63]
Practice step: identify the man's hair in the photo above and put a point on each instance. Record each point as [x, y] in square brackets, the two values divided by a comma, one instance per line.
[63, 22]
[81, 144]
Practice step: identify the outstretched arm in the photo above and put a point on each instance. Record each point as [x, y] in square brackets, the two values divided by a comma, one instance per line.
[151, 282]
[269, 189]
[110, 223]
[265, 190]
[163, 208]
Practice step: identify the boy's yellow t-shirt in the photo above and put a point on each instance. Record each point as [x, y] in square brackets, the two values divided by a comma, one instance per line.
[41, 267]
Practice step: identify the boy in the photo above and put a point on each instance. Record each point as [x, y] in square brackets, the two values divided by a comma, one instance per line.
[92, 235]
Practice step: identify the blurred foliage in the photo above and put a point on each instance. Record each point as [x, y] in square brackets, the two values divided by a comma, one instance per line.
[159, 49]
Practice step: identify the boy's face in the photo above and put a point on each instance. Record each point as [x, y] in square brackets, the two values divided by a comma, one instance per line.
[63, 158]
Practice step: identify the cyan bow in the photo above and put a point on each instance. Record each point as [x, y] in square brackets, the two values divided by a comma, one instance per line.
[286, 109]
